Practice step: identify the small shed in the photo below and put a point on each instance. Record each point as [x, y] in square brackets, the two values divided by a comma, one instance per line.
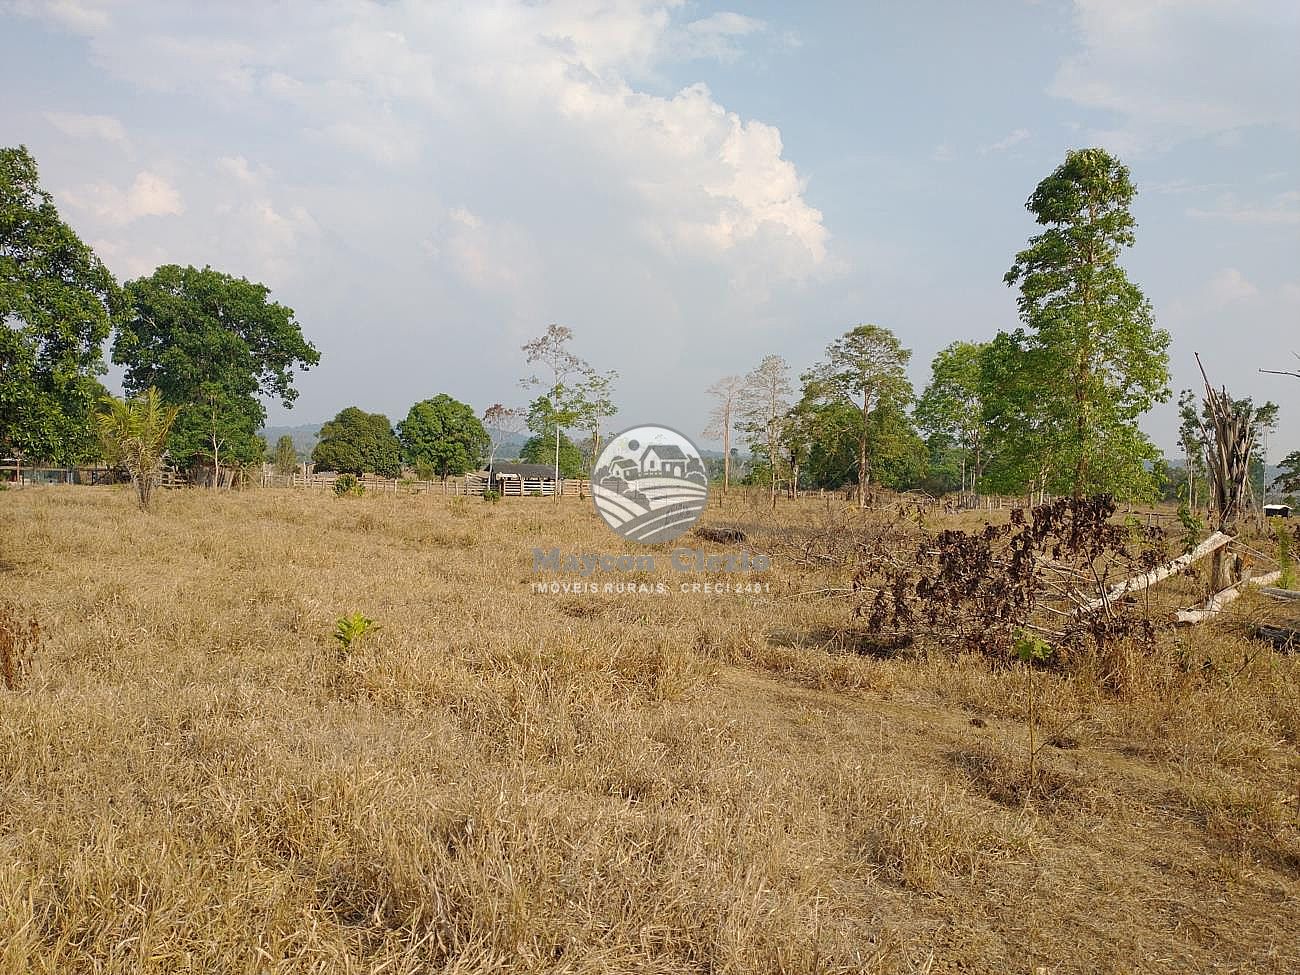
[522, 480]
[1277, 511]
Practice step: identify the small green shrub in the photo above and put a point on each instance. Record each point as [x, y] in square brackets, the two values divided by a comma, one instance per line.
[492, 497]
[1193, 527]
[1284, 558]
[1032, 649]
[346, 485]
[351, 628]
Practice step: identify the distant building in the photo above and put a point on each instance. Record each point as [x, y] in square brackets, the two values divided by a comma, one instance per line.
[1277, 511]
[521, 479]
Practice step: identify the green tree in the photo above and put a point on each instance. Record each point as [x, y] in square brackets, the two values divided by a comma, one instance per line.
[58, 304]
[1023, 427]
[445, 434]
[561, 399]
[951, 410]
[285, 457]
[213, 344]
[833, 452]
[1097, 359]
[867, 367]
[540, 449]
[1288, 477]
[133, 434]
[592, 402]
[899, 457]
[357, 442]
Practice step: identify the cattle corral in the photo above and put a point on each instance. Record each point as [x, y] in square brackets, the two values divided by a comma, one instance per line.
[197, 776]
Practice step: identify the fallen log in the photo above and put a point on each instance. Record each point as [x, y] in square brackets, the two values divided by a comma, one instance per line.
[1214, 605]
[1283, 638]
[1148, 579]
[1283, 594]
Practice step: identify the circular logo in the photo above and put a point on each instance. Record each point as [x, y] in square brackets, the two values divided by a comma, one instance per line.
[650, 484]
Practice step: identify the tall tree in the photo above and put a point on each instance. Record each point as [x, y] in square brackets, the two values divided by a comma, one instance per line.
[285, 457]
[445, 434]
[592, 401]
[561, 398]
[763, 404]
[213, 344]
[1099, 361]
[951, 410]
[58, 304]
[357, 442]
[726, 393]
[1193, 444]
[867, 366]
[133, 435]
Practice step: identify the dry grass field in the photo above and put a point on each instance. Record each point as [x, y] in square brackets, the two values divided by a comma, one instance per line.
[194, 778]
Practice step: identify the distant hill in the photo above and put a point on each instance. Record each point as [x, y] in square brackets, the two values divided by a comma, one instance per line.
[304, 437]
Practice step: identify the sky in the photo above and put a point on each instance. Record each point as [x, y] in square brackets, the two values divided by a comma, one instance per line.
[688, 186]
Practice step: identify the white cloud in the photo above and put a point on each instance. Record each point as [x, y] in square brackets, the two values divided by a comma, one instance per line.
[495, 258]
[150, 195]
[104, 127]
[242, 171]
[715, 37]
[1283, 209]
[77, 15]
[942, 153]
[1013, 138]
[1229, 285]
[1172, 71]
[403, 83]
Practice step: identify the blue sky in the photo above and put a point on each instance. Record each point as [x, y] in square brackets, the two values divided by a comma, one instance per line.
[688, 186]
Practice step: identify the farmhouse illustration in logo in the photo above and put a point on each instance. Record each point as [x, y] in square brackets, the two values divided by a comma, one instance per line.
[650, 484]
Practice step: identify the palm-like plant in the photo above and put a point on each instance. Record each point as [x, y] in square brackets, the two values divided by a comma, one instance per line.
[134, 435]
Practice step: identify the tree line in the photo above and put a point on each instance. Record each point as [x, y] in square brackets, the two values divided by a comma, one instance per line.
[199, 348]
[1051, 406]
[442, 437]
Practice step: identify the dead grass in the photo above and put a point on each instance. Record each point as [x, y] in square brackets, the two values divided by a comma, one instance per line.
[193, 778]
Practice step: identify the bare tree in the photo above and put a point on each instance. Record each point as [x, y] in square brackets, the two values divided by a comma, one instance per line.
[1229, 430]
[1283, 372]
[763, 403]
[502, 423]
[722, 420]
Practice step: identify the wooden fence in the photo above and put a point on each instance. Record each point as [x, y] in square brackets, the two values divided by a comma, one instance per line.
[469, 485]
